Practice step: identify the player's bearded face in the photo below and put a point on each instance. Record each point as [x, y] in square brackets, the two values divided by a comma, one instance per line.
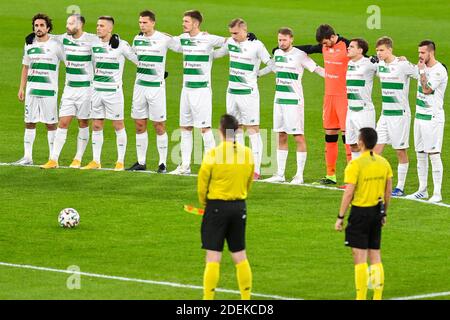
[73, 26]
[424, 55]
[327, 43]
[284, 41]
[40, 28]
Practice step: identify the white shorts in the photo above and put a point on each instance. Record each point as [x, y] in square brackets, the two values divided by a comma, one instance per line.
[107, 105]
[196, 107]
[149, 103]
[41, 109]
[289, 118]
[428, 135]
[76, 102]
[356, 120]
[244, 107]
[394, 130]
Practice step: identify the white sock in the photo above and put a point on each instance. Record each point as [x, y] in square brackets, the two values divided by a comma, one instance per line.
[281, 161]
[82, 142]
[437, 171]
[97, 144]
[402, 171]
[240, 138]
[355, 154]
[141, 147]
[51, 139]
[28, 141]
[301, 161]
[208, 140]
[256, 142]
[186, 147]
[162, 142]
[58, 144]
[422, 170]
[121, 142]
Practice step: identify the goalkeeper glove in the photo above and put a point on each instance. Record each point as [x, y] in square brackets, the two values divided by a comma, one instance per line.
[251, 36]
[374, 59]
[29, 38]
[114, 41]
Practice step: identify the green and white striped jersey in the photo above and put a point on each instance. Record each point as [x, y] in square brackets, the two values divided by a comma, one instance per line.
[43, 59]
[289, 67]
[109, 64]
[197, 58]
[151, 52]
[394, 79]
[245, 59]
[429, 105]
[78, 59]
[359, 78]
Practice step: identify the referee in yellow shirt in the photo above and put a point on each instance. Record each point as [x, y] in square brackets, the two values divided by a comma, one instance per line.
[224, 180]
[368, 181]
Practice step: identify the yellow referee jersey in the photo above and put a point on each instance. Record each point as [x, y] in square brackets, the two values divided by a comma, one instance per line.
[226, 173]
[369, 173]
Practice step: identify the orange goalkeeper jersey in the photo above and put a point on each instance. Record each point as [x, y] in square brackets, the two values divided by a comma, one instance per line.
[335, 64]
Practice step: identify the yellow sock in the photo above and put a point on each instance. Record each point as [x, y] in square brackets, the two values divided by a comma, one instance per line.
[377, 280]
[361, 278]
[244, 277]
[210, 280]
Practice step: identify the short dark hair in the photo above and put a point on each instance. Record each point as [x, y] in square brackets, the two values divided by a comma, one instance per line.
[324, 31]
[79, 17]
[429, 43]
[286, 31]
[149, 14]
[369, 137]
[194, 14]
[108, 18]
[362, 44]
[45, 17]
[387, 41]
[228, 124]
[237, 22]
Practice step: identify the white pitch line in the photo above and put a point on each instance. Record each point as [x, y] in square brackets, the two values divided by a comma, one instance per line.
[161, 283]
[307, 185]
[424, 296]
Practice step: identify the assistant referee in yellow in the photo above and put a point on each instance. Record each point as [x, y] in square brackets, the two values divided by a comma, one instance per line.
[368, 180]
[224, 181]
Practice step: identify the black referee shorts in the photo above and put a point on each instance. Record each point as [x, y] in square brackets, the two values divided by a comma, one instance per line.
[364, 228]
[224, 220]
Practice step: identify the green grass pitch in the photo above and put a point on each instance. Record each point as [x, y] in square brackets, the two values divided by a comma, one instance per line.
[132, 224]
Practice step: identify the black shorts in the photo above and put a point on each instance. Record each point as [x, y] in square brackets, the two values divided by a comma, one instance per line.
[224, 220]
[364, 228]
